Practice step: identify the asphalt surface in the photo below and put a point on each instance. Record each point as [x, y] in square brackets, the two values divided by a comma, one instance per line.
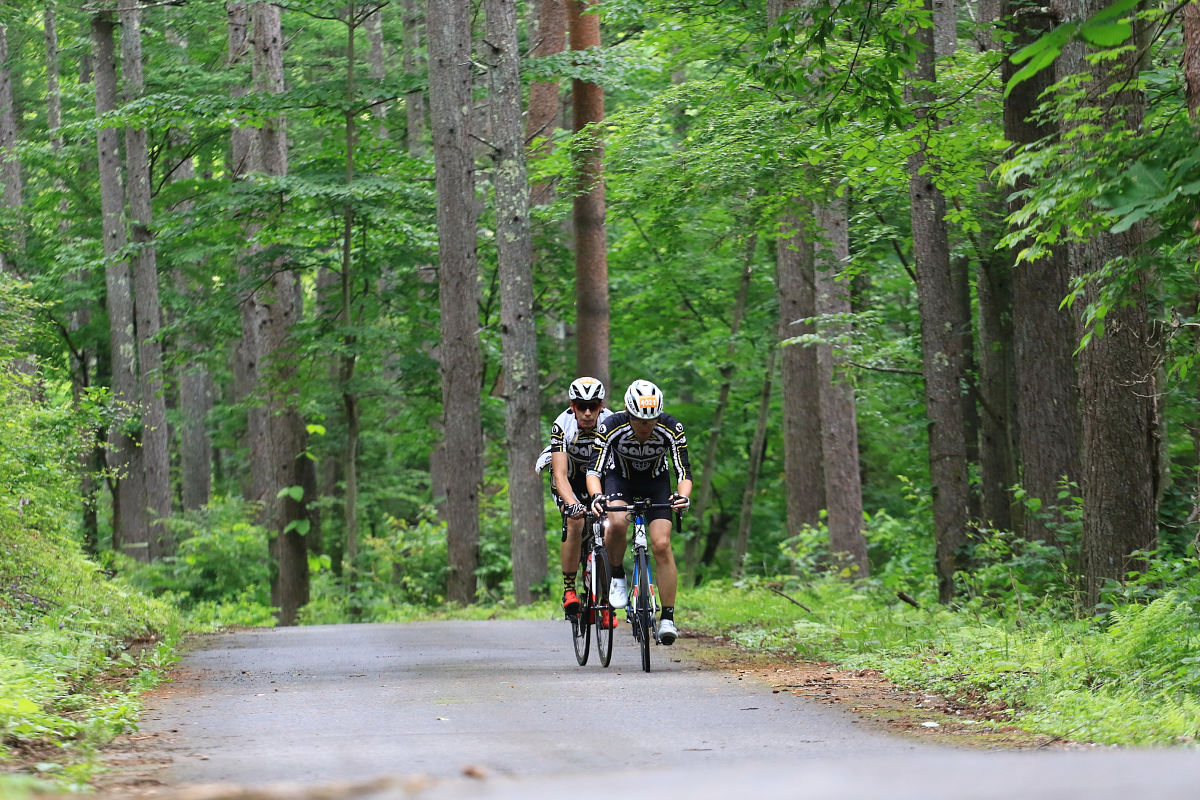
[500, 709]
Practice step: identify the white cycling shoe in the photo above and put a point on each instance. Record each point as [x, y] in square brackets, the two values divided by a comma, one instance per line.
[667, 632]
[618, 593]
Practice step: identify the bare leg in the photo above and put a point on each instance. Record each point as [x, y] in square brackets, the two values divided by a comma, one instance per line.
[666, 575]
[615, 538]
[570, 547]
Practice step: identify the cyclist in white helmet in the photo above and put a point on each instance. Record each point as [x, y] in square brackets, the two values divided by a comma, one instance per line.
[633, 450]
[568, 456]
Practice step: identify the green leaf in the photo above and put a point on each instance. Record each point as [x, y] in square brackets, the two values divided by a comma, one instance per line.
[294, 492]
[1109, 34]
[301, 526]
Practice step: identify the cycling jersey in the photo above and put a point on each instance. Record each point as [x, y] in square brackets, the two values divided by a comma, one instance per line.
[567, 437]
[618, 451]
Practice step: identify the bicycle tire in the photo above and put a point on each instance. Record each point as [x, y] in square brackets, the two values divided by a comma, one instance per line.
[581, 623]
[644, 607]
[604, 636]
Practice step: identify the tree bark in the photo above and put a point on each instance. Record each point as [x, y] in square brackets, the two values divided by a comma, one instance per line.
[742, 545]
[411, 63]
[804, 475]
[449, 28]
[591, 248]
[130, 530]
[941, 342]
[10, 164]
[156, 436]
[1044, 335]
[518, 329]
[839, 412]
[1117, 370]
[194, 378]
[377, 65]
[280, 457]
[82, 360]
[545, 108]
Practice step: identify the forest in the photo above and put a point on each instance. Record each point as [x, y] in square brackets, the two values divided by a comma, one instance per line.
[291, 292]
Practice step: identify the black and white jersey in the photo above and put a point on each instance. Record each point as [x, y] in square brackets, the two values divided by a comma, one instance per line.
[619, 451]
[578, 443]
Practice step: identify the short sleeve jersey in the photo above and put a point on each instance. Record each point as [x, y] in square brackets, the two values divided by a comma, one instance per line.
[579, 447]
[619, 451]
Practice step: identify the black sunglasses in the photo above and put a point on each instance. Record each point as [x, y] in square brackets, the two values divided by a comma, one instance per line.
[587, 406]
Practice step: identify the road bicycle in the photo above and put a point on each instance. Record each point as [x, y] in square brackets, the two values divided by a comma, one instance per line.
[594, 609]
[642, 610]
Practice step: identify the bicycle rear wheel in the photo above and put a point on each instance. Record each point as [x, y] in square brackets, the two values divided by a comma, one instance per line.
[581, 623]
[644, 607]
[605, 617]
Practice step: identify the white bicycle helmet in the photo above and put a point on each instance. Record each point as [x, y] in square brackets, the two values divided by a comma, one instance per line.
[643, 400]
[586, 389]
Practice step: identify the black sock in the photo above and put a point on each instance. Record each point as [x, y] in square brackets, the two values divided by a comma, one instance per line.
[569, 581]
[668, 612]
[618, 571]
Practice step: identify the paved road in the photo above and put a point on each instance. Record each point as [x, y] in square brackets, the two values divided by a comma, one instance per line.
[505, 702]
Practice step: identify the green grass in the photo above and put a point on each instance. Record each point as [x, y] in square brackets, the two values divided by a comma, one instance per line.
[1131, 678]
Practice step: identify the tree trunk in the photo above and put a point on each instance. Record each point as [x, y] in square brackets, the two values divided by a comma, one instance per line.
[804, 476]
[414, 100]
[130, 531]
[704, 493]
[349, 358]
[941, 342]
[742, 545]
[1044, 336]
[518, 329]
[156, 436]
[997, 445]
[545, 108]
[194, 377]
[1117, 372]
[839, 413]
[280, 457]
[82, 360]
[10, 165]
[591, 250]
[377, 65]
[449, 27]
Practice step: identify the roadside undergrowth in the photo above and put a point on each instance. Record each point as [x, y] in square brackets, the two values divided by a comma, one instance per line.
[1131, 677]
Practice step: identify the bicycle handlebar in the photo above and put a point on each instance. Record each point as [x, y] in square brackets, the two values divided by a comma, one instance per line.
[637, 505]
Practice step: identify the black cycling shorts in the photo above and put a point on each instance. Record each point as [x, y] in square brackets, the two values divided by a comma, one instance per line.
[656, 491]
[580, 489]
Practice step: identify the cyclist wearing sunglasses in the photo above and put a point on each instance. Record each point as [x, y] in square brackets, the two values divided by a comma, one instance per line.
[632, 453]
[568, 456]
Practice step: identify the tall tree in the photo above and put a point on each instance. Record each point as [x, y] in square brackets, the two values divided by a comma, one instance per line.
[411, 63]
[941, 326]
[450, 81]
[591, 247]
[12, 240]
[839, 412]
[156, 456]
[1044, 335]
[804, 476]
[545, 108]
[518, 329]
[130, 528]
[1117, 365]
[280, 456]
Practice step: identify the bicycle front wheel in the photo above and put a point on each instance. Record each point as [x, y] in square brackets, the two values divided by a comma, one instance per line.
[605, 617]
[644, 608]
[581, 623]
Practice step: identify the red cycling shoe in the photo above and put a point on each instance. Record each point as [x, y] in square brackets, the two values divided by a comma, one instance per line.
[570, 602]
